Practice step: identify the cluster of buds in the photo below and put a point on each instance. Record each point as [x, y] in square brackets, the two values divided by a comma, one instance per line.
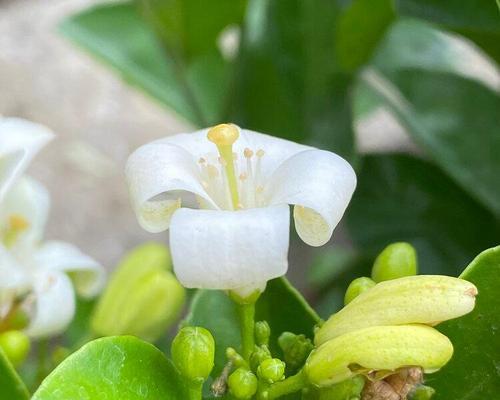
[385, 331]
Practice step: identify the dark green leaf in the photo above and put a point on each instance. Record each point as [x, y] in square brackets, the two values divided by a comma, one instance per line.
[473, 372]
[401, 198]
[113, 368]
[11, 386]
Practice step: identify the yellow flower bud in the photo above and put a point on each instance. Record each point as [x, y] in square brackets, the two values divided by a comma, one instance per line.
[378, 348]
[424, 299]
[142, 298]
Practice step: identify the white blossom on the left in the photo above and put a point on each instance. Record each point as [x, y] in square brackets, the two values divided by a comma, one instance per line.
[36, 278]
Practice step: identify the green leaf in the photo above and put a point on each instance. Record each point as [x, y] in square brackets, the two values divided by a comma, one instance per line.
[456, 120]
[11, 385]
[473, 372]
[281, 305]
[360, 28]
[113, 368]
[401, 198]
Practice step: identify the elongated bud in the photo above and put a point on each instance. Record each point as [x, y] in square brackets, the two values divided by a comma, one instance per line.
[193, 352]
[260, 354]
[356, 287]
[236, 359]
[424, 299]
[262, 333]
[271, 370]
[296, 348]
[395, 261]
[142, 298]
[379, 348]
[242, 384]
[16, 346]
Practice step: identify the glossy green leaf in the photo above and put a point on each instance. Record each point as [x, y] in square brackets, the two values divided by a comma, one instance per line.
[473, 372]
[401, 198]
[113, 368]
[281, 305]
[456, 120]
[11, 386]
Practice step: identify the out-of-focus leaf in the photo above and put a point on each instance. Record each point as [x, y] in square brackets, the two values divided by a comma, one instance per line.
[113, 368]
[11, 386]
[476, 19]
[360, 28]
[288, 81]
[281, 305]
[330, 264]
[456, 120]
[473, 372]
[401, 198]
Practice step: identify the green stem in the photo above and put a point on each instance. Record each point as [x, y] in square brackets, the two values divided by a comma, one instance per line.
[195, 390]
[42, 360]
[289, 385]
[246, 313]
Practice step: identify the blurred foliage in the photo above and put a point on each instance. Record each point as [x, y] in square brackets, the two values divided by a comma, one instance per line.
[310, 71]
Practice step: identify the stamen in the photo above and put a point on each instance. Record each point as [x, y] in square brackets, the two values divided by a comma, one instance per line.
[17, 224]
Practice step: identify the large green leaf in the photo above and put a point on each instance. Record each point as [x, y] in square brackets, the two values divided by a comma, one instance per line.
[281, 305]
[401, 198]
[474, 373]
[456, 120]
[113, 368]
[11, 386]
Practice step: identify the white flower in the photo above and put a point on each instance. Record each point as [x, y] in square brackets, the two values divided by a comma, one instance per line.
[242, 182]
[33, 274]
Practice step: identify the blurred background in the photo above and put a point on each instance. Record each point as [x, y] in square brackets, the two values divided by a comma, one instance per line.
[407, 91]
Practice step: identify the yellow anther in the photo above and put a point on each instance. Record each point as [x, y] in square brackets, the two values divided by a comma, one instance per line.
[223, 134]
[248, 153]
[213, 172]
[18, 223]
[202, 160]
[243, 176]
[259, 189]
[260, 153]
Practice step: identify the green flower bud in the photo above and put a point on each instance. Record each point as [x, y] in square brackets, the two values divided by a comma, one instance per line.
[260, 354]
[143, 297]
[271, 370]
[262, 333]
[16, 346]
[356, 287]
[395, 261]
[422, 392]
[379, 348]
[295, 348]
[193, 353]
[235, 357]
[350, 389]
[242, 384]
[424, 299]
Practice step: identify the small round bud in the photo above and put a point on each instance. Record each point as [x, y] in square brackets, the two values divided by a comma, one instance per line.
[16, 346]
[271, 370]
[223, 134]
[295, 348]
[262, 333]
[356, 287]
[260, 354]
[395, 261]
[242, 384]
[193, 352]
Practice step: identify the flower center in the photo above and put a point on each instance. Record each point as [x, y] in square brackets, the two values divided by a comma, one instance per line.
[232, 180]
[16, 225]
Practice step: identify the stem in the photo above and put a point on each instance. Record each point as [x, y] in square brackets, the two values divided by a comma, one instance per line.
[42, 360]
[246, 314]
[289, 385]
[194, 390]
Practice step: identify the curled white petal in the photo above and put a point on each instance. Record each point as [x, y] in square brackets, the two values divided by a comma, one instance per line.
[320, 184]
[158, 175]
[52, 304]
[20, 140]
[87, 274]
[230, 249]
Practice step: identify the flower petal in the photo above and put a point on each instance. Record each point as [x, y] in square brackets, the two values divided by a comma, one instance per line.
[159, 174]
[230, 249]
[53, 304]
[320, 184]
[87, 274]
[20, 140]
[12, 276]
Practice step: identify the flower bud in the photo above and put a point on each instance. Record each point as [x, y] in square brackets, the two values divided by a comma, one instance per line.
[424, 299]
[378, 348]
[262, 333]
[295, 348]
[242, 384]
[260, 354]
[235, 357]
[16, 346]
[356, 287]
[395, 261]
[193, 352]
[350, 389]
[271, 370]
[422, 392]
[142, 298]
